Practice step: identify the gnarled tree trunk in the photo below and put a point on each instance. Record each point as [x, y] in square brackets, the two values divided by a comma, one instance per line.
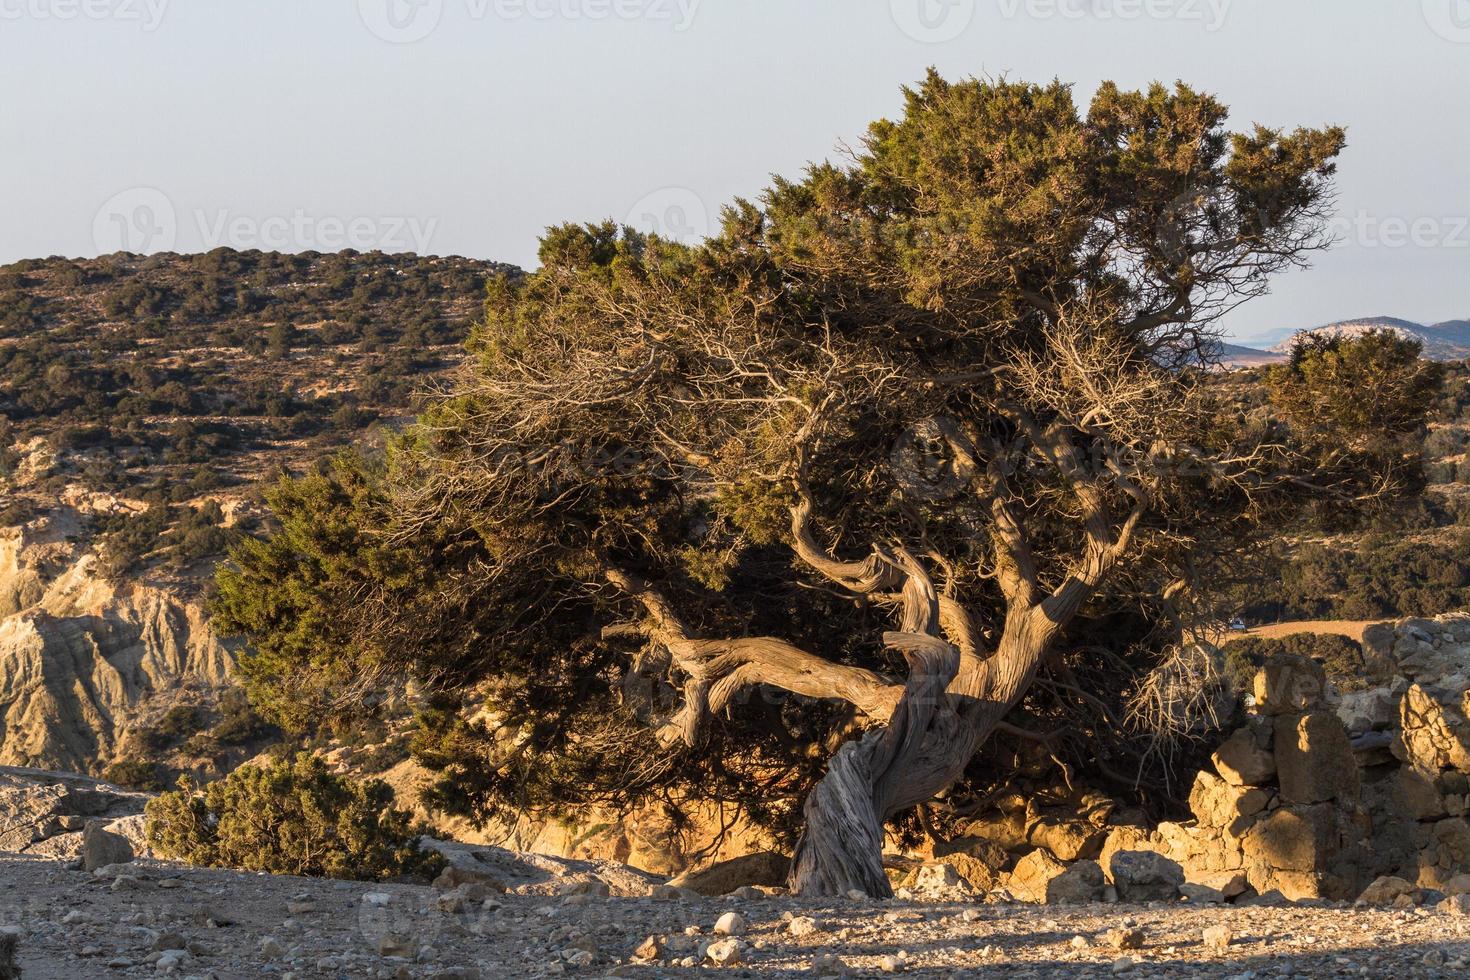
[949, 707]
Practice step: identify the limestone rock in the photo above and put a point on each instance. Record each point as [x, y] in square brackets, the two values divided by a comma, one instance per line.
[1385, 890]
[764, 868]
[731, 924]
[1083, 882]
[1124, 937]
[1458, 905]
[975, 872]
[1366, 711]
[1217, 803]
[1146, 876]
[1377, 642]
[44, 812]
[1217, 938]
[1433, 729]
[1029, 880]
[82, 657]
[802, 925]
[101, 848]
[1245, 759]
[725, 952]
[1068, 839]
[454, 877]
[828, 965]
[1289, 684]
[1316, 851]
[1197, 894]
[1314, 759]
[650, 949]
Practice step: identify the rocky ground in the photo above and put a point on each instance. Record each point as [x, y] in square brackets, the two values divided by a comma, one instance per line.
[148, 918]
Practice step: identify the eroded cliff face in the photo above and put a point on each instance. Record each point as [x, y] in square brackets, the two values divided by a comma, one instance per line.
[82, 658]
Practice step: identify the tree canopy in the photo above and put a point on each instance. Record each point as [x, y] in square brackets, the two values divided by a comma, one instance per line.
[827, 492]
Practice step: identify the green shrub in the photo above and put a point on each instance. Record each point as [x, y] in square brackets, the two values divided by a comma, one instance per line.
[293, 818]
[1340, 656]
[135, 774]
[238, 723]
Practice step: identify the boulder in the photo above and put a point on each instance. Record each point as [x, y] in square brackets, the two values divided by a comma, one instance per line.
[1368, 711]
[1081, 883]
[1127, 838]
[1385, 890]
[940, 881]
[1146, 876]
[1289, 684]
[454, 877]
[1314, 759]
[1246, 759]
[979, 873]
[983, 849]
[1433, 731]
[1032, 874]
[1217, 938]
[1229, 884]
[731, 924]
[1447, 854]
[1068, 839]
[763, 869]
[1377, 641]
[1414, 795]
[102, 847]
[1196, 894]
[1216, 803]
[1293, 839]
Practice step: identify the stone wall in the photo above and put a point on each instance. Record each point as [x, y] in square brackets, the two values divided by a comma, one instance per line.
[1329, 785]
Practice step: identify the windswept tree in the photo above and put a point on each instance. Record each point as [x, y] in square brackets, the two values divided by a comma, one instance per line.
[835, 483]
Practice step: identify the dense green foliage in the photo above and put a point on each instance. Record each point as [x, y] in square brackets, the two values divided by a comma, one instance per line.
[296, 593]
[292, 818]
[1340, 656]
[975, 349]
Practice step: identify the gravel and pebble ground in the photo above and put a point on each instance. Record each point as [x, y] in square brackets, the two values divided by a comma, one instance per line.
[152, 918]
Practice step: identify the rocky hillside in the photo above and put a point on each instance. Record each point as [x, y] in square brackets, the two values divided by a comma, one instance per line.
[142, 402]
[1447, 341]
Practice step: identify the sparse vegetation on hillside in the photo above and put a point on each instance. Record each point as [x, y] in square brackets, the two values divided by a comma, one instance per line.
[168, 380]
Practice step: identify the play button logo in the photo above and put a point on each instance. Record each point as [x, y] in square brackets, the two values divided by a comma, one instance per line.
[1450, 19]
[401, 21]
[933, 21]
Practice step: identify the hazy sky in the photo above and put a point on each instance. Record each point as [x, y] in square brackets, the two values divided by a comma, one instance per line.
[466, 126]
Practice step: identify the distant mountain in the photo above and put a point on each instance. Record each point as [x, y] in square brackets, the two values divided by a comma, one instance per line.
[1447, 341]
[1236, 356]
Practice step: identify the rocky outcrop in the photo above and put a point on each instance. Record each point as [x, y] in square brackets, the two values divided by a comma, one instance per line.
[51, 813]
[81, 657]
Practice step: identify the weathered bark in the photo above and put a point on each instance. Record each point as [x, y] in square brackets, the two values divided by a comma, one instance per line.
[841, 847]
[923, 750]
